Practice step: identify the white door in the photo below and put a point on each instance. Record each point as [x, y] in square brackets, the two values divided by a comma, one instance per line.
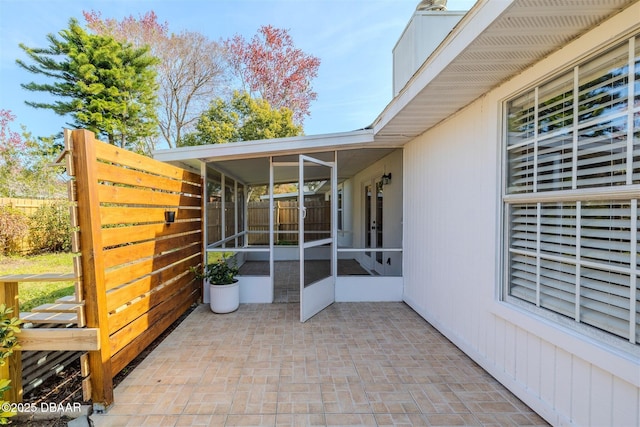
[317, 224]
[373, 223]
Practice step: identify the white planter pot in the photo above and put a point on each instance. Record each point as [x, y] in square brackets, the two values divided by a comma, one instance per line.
[224, 298]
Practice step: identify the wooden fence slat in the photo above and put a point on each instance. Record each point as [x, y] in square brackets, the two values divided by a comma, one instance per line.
[132, 271]
[140, 306]
[67, 339]
[125, 334]
[136, 196]
[138, 233]
[128, 215]
[164, 315]
[124, 254]
[116, 174]
[126, 158]
[84, 159]
[27, 207]
[124, 294]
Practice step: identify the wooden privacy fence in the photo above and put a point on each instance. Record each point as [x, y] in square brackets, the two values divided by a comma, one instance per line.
[318, 218]
[28, 207]
[134, 266]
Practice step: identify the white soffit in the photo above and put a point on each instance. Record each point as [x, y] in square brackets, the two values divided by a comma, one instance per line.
[496, 40]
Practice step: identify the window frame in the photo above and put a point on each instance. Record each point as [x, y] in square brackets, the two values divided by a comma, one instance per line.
[628, 192]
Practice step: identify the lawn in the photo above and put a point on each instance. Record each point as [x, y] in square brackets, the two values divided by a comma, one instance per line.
[32, 294]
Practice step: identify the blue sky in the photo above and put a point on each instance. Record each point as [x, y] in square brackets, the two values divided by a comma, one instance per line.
[353, 39]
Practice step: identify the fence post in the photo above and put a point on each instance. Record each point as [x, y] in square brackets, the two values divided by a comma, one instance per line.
[13, 368]
[92, 262]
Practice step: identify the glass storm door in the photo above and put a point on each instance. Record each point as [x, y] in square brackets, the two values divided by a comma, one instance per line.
[317, 221]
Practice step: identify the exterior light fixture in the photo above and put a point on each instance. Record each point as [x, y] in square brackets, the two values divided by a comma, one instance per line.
[386, 179]
[169, 217]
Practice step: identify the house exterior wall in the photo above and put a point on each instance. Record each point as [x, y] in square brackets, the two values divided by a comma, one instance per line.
[453, 262]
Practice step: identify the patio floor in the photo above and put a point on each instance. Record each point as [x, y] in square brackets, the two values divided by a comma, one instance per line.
[372, 364]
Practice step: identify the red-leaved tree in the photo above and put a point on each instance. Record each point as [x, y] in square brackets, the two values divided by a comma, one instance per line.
[271, 67]
[11, 150]
[10, 141]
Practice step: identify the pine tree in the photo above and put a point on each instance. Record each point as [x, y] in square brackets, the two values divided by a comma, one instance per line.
[106, 86]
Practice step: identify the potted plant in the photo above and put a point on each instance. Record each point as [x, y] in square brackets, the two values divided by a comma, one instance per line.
[223, 285]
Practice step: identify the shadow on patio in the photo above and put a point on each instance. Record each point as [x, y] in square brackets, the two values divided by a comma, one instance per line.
[352, 364]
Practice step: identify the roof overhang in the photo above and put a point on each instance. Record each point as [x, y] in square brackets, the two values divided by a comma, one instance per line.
[493, 42]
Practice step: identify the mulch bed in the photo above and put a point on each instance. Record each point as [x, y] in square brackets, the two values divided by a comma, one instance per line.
[66, 387]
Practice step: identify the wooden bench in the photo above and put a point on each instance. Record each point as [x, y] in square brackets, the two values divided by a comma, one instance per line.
[66, 310]
[9, 285]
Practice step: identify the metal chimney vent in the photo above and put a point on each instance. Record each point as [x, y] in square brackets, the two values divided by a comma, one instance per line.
[428, 5]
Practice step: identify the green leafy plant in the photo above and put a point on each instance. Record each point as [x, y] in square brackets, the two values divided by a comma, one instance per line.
[14, 225]
[9, 328]
[220, 272]
[50, 228]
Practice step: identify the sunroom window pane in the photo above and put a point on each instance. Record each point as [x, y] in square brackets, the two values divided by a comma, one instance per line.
[604, 300]
[603, 84]
[555, 157]
[521, 162]
[558, 229]
[521, 119]
[523, 277]
[605, 233]
[558, 287]
[524, 227]
[602, 154]
[555, 107]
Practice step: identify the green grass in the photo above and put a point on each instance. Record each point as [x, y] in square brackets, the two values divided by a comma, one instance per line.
[33, 294]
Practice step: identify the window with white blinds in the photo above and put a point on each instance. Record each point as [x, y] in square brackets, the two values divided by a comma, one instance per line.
[571, 195]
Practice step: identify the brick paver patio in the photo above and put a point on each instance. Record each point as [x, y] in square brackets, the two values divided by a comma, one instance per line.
[371, 364]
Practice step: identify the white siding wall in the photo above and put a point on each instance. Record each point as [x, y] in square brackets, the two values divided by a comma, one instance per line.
[452, 268]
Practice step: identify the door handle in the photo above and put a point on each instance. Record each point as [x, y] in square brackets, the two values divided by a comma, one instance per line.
[304, 212]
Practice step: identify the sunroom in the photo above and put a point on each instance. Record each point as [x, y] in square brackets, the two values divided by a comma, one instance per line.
[310, 219]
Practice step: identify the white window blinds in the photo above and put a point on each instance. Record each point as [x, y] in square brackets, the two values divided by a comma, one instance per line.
[571, 194]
